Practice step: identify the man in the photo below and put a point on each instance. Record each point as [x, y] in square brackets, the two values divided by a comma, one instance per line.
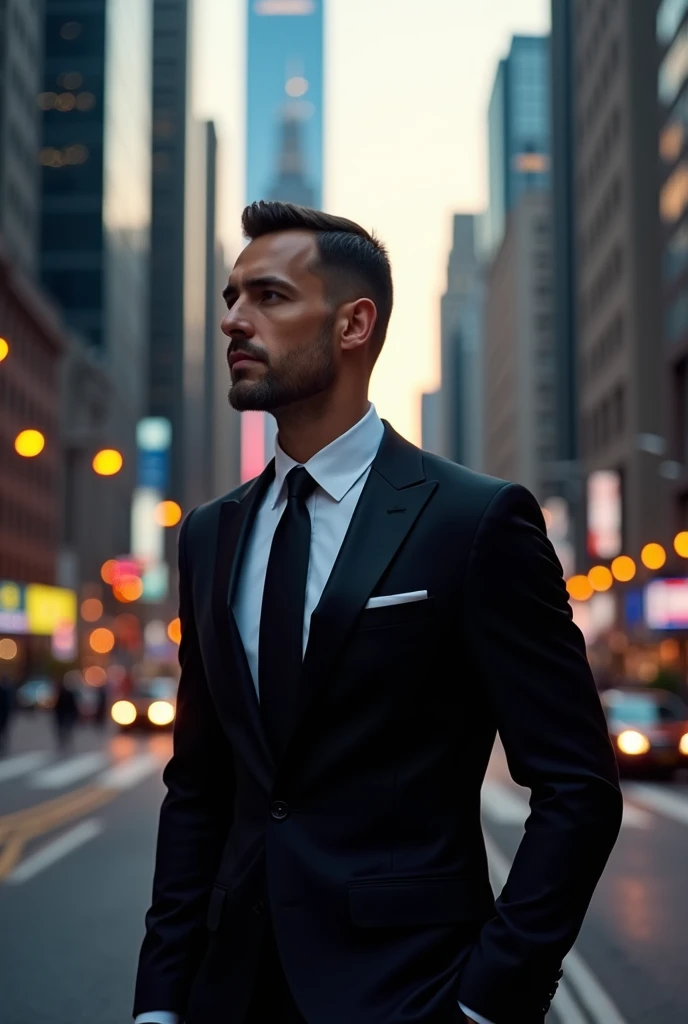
[357, 626]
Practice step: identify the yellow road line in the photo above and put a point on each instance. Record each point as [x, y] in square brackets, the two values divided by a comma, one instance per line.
[18, 828]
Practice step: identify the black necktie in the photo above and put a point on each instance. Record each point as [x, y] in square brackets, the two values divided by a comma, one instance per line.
[280, 644]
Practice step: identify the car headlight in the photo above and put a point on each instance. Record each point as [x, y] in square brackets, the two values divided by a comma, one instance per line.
[123, 712]
[161, 712]
[683, 744]
[632, 742]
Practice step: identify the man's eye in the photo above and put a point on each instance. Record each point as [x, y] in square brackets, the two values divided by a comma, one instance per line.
[269, 295]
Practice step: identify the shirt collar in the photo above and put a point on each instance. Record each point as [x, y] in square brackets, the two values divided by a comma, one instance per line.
[337, 467]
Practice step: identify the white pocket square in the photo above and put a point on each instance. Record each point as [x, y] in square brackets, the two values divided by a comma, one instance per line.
[388, 599]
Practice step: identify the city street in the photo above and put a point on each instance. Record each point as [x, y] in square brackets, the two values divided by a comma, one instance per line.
[76, 853]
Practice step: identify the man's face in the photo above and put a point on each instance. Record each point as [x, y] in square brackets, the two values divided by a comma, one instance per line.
[279, 324]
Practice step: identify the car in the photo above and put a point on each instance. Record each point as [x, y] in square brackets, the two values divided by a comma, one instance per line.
[36, 694]
[649, 730]
[151, 705]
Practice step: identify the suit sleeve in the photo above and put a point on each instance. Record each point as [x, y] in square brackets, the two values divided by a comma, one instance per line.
[530, 663]
[194, 822]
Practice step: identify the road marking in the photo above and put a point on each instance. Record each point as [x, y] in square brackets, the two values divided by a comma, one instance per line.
[56, 850]
[504, 806]
[129, 773]
[13, 767]
[661, 800]
[566, 1008]
[584, 983]
[66, 772]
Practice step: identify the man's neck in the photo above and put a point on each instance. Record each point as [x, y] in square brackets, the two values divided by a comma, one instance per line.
[302, 435]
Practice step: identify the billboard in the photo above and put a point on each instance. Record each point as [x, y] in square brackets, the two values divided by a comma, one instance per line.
[35, 609]
[604, 538]
[666, 604]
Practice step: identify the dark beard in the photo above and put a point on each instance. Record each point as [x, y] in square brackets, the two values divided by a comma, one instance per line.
[304, 375]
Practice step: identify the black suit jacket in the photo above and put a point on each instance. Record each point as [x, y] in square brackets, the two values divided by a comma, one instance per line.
[364, 843]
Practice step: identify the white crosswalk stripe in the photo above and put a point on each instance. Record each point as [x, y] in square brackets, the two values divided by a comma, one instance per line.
[55, 850]
[580, 980]
[22, 764]
[130, 772]
[503, 805]
[64, 773]
[660, 799]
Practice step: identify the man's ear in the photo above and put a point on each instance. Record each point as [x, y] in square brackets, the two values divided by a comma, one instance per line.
[357, 320]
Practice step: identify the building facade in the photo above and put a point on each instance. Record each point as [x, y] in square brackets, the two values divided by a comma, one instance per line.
[171, 128]
[30, 488]
[621, 379]
[518, 131]
[95, 225]
[672, 37]
[21, 61]
[519, 398]
[460, 402]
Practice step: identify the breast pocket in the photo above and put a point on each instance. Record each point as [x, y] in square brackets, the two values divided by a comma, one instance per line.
[406, 614]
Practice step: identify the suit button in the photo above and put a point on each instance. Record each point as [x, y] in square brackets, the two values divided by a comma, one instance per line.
[258, 908]
[279, 810]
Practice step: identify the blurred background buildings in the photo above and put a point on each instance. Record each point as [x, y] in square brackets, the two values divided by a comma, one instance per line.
[563, 322]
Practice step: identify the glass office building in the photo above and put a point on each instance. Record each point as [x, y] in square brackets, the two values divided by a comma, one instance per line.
[95, 231]
[518, 133]
[284, 120]
[284, 137]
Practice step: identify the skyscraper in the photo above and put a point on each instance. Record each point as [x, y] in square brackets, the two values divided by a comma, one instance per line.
[284, 135]
[284, 121]
[518, 134]
[95, 235]
[168, 287]
[460, 412]
[21, 53]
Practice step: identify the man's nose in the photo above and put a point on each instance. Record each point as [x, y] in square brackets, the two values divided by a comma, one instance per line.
[235, 323]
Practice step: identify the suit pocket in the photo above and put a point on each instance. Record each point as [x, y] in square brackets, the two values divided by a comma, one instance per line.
[405, 614]
[381, 902]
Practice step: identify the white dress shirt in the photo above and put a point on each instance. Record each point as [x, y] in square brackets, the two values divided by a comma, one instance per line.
[340, 471]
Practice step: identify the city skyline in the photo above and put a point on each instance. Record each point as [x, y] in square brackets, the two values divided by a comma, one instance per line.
[377, 167]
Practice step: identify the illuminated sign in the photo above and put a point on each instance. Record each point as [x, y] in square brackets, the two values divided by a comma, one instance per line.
[604, 514]
[666, 604]
[12, 608]
[49, 609]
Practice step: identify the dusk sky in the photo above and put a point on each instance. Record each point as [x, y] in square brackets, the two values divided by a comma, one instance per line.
[406, 91]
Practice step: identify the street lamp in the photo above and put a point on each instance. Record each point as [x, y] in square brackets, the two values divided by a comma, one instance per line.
[29, 443]
[107, 462]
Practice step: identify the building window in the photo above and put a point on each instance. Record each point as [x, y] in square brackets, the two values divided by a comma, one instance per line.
[669, 17]
[673, 197]
[676, 252]
[676, 321]
[673, 70]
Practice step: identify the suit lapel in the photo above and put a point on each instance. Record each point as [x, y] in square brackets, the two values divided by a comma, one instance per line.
[395, 494]
[235, 522]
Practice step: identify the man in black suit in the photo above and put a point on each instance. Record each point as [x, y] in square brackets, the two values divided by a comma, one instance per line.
[357, 626]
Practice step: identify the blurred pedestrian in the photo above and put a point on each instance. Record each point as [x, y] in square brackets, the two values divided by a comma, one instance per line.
[7, 706]
[101, 706]
[66, 712]
[320, 853]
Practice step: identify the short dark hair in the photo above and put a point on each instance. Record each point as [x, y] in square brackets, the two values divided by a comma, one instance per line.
[351, 259]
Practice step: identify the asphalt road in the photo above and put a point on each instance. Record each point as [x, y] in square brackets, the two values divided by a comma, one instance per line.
[77, 834]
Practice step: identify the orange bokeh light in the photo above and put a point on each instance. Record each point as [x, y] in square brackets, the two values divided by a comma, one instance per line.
[653, 556]
[102, 640]
[580, 588]
[600, 578]
[109, 571]
[174, 631]
[91, 609]
[127, 589]
[168, 513]
[95, 675]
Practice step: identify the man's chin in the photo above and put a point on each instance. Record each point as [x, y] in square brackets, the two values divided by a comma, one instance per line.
[245, 396]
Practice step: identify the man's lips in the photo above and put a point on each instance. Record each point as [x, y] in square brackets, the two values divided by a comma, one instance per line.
[241, 357]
